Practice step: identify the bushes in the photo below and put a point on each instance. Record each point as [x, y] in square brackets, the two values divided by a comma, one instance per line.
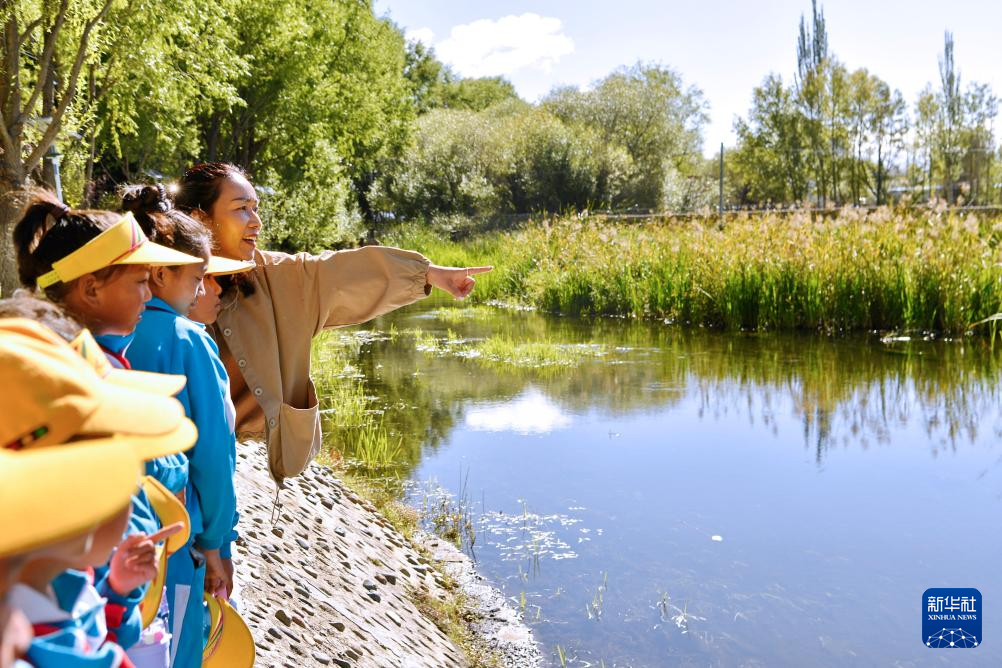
[509, 158]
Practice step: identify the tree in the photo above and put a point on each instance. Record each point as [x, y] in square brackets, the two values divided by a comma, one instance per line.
[889, 126]
[648, 111]
[811, 88]
[951, 116]
[176, 57]
[326, 85]
[477, 94]
[434, 85]
[46, 47]
[771, 159]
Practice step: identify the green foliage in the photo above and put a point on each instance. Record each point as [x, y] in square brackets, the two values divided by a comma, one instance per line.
[477, 94]
[313, 212]
[888, 270]
[647, 111]
[838, 137]
[177, 58]
[434, 86]
[509, 158]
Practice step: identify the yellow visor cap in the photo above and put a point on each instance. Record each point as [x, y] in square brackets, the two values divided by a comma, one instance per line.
[162, 384]
[122, 243]
[54, 494]
[223, 266]
[56, 396]
[169, 510]
[230, 643]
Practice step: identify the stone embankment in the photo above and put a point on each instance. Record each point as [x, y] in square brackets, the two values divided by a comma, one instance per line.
[324, 580]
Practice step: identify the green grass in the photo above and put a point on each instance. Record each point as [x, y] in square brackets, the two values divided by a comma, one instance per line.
[350, 423]
[926, 270]
[504, 351]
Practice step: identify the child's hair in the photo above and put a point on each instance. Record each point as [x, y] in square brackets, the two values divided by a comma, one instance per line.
[199, 187]
[163, 224]
[26, 305]
[49, 231]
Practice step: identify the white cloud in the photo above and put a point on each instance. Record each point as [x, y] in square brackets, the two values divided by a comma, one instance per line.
[425, 35]
[500, 47]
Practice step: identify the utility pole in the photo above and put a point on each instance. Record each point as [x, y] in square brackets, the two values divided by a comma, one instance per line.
[50, 170]
[721, 205]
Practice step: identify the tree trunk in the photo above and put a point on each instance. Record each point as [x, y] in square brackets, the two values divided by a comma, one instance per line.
[11, 185]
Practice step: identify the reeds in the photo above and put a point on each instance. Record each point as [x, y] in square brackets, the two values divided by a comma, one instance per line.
[929, 270]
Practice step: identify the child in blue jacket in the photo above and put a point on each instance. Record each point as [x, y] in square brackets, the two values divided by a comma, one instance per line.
[166, 341]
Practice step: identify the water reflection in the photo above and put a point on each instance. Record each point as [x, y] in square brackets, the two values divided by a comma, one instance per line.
[844, 392]
[531, 412]
[828, 469]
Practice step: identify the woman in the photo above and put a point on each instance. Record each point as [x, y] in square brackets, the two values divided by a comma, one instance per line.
[270, 317]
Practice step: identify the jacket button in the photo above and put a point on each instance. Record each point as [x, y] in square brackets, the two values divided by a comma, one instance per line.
[227, 331]
[272, 422]
[241, 363]
[258, 391]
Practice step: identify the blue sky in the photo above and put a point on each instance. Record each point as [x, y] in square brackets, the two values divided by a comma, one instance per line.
[724, 47]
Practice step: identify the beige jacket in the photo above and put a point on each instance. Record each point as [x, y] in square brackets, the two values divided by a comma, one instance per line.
[264, 338]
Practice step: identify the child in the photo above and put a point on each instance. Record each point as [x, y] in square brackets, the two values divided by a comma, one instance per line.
[71, 490]
[205, 310]
[147, 517]
[69, 400]
[95, 264]
[168, 342]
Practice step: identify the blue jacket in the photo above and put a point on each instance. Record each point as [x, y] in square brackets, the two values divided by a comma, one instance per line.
[166, 342]
[74, 628]
[172, 470]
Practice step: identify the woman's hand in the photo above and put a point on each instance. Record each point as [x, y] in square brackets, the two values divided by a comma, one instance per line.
[215, 573]
[457, 281]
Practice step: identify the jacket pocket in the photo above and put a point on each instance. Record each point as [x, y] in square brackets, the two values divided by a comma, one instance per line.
[300, 436]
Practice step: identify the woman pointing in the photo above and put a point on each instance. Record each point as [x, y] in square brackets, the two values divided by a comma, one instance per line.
[270, 315]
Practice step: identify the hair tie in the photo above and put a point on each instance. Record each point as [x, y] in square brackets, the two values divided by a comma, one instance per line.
[58, 210]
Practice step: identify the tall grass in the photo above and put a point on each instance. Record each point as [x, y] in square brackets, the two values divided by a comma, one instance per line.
[881, 270]
[351, 425]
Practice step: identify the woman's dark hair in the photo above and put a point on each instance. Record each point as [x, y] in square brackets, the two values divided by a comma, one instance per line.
[199, 187]
[49, 231]
[163, 224]
[26, 305]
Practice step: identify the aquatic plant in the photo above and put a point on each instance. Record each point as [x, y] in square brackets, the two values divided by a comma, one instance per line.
[886, 269]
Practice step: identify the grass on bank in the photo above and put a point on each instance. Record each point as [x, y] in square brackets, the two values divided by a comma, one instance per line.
[368, 448]
[928, 270]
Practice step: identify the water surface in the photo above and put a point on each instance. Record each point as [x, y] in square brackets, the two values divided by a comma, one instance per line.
[694, 498]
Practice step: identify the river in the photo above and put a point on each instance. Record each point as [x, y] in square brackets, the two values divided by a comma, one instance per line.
[669, 497]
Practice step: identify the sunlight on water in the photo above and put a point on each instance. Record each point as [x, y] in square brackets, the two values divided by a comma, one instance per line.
[531, 412]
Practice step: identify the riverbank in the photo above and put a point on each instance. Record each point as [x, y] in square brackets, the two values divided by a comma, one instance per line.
[325, 580]
[888, 270]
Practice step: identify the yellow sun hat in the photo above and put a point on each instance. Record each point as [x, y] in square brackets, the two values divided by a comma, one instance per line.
[57, 396]
[223, 266]
[53, 494]
[122, 243]
[162, 384]
[169, 510]
[230, 643]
